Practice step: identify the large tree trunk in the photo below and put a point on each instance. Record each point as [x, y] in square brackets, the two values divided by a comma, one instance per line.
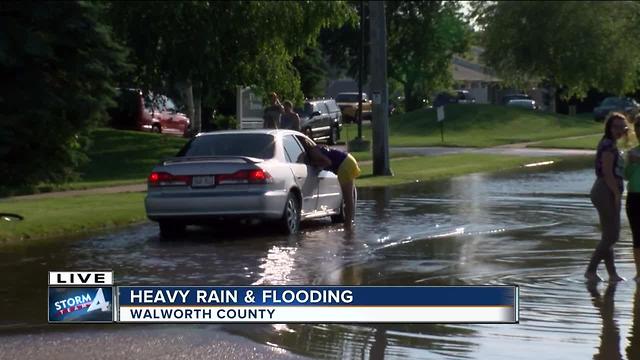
[412, 100]
[197, 115]
[552, 99]
[186, 88]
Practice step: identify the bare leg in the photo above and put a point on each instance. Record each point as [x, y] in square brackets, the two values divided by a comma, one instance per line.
[348, 192]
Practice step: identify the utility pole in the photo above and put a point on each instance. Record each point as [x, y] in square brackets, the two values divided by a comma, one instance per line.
[379, 88]
[361, 70]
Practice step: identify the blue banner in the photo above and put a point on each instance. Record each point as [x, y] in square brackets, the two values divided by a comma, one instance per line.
[318, 295]
[80, 304]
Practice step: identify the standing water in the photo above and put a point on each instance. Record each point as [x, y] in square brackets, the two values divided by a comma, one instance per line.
[532, 228]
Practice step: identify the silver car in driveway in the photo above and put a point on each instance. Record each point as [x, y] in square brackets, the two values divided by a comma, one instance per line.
[241, 174]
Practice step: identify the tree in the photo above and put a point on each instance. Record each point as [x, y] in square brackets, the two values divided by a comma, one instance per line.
[57, 83]
[214, 46]
[312, 70]
[341, 45]
[575, 45]
[422, 38]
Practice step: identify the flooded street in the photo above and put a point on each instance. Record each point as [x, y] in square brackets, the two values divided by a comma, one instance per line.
[535, 228]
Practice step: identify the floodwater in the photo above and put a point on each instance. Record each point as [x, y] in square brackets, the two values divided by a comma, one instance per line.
[535, 228]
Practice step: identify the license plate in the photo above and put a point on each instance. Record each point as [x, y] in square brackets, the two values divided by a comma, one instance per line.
[203, 181]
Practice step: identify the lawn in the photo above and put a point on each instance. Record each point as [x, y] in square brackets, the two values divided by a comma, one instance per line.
[53, 217]
[118, 157]
[124, 157]
[425, 168]
[479, 125]
[589, 142]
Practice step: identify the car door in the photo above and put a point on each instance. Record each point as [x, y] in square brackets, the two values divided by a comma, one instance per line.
[323, 125]
[329, 192]
[305, 176]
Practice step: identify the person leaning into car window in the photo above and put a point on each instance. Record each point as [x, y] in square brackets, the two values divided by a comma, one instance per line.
[290, 119]
[271, 117]
[342, 164]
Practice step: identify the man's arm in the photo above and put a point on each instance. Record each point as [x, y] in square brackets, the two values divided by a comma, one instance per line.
[296, 123]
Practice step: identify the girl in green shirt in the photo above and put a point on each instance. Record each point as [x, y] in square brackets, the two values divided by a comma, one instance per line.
[632, 174]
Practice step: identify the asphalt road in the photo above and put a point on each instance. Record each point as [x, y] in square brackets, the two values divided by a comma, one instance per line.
[138, 342]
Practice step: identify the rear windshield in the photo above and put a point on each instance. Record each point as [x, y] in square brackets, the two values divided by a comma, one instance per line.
[333, 107]
[253, 145]
[347, 98]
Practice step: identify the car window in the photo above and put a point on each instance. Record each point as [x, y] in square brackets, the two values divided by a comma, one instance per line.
[169, 105]
[323, 108]
[348, 97]
[333, 107]
[610, 102]
[252, 145]
[293, 150]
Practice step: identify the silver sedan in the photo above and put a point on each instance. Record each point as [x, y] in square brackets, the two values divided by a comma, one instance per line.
[241, 174]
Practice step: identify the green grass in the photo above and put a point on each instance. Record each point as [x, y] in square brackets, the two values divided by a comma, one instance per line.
[367, 156]
[589, 142]
[436, 167]
[118, 157]
[479, 125]
[54, 217]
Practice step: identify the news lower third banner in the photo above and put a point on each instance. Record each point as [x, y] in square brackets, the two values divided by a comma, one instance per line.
[318, 304]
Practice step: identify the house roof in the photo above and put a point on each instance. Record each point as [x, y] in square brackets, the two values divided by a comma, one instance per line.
[464, 70]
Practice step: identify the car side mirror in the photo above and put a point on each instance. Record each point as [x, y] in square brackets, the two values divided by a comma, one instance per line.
[315, 113]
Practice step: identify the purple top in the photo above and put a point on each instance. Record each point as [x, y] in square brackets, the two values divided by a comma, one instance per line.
[336, 157]
[608, 145]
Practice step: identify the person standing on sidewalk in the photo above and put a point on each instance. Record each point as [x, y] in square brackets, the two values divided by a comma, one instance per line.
[632, 174]
[271, 117]
[605, 196]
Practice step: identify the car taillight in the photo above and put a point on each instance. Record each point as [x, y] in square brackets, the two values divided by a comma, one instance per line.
[166, 179]
[257, 176]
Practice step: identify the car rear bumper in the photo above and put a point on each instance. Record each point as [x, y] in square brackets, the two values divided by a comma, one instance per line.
[233, 204]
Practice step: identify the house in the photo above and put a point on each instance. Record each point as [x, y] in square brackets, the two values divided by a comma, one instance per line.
[478, 79]
[471, 74]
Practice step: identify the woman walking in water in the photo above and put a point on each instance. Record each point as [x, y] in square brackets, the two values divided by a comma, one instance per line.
[605, 196]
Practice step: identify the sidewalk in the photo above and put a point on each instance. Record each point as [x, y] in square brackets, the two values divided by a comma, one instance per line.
[511, 149]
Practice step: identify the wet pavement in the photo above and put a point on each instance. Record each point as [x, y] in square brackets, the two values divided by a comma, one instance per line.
[535, 228]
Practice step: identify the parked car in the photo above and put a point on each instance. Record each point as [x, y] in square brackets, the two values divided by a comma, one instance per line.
[523, 103]
[625, 105]
[348, 103]
[507, 98]
[321, 120]
[238, 174]
[155, 113]
[457, 97]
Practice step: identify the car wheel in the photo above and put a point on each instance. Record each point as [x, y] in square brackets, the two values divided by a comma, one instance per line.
[170, 229]
[290, 221]
[156, 129]
[339, 217]
[333, 136]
